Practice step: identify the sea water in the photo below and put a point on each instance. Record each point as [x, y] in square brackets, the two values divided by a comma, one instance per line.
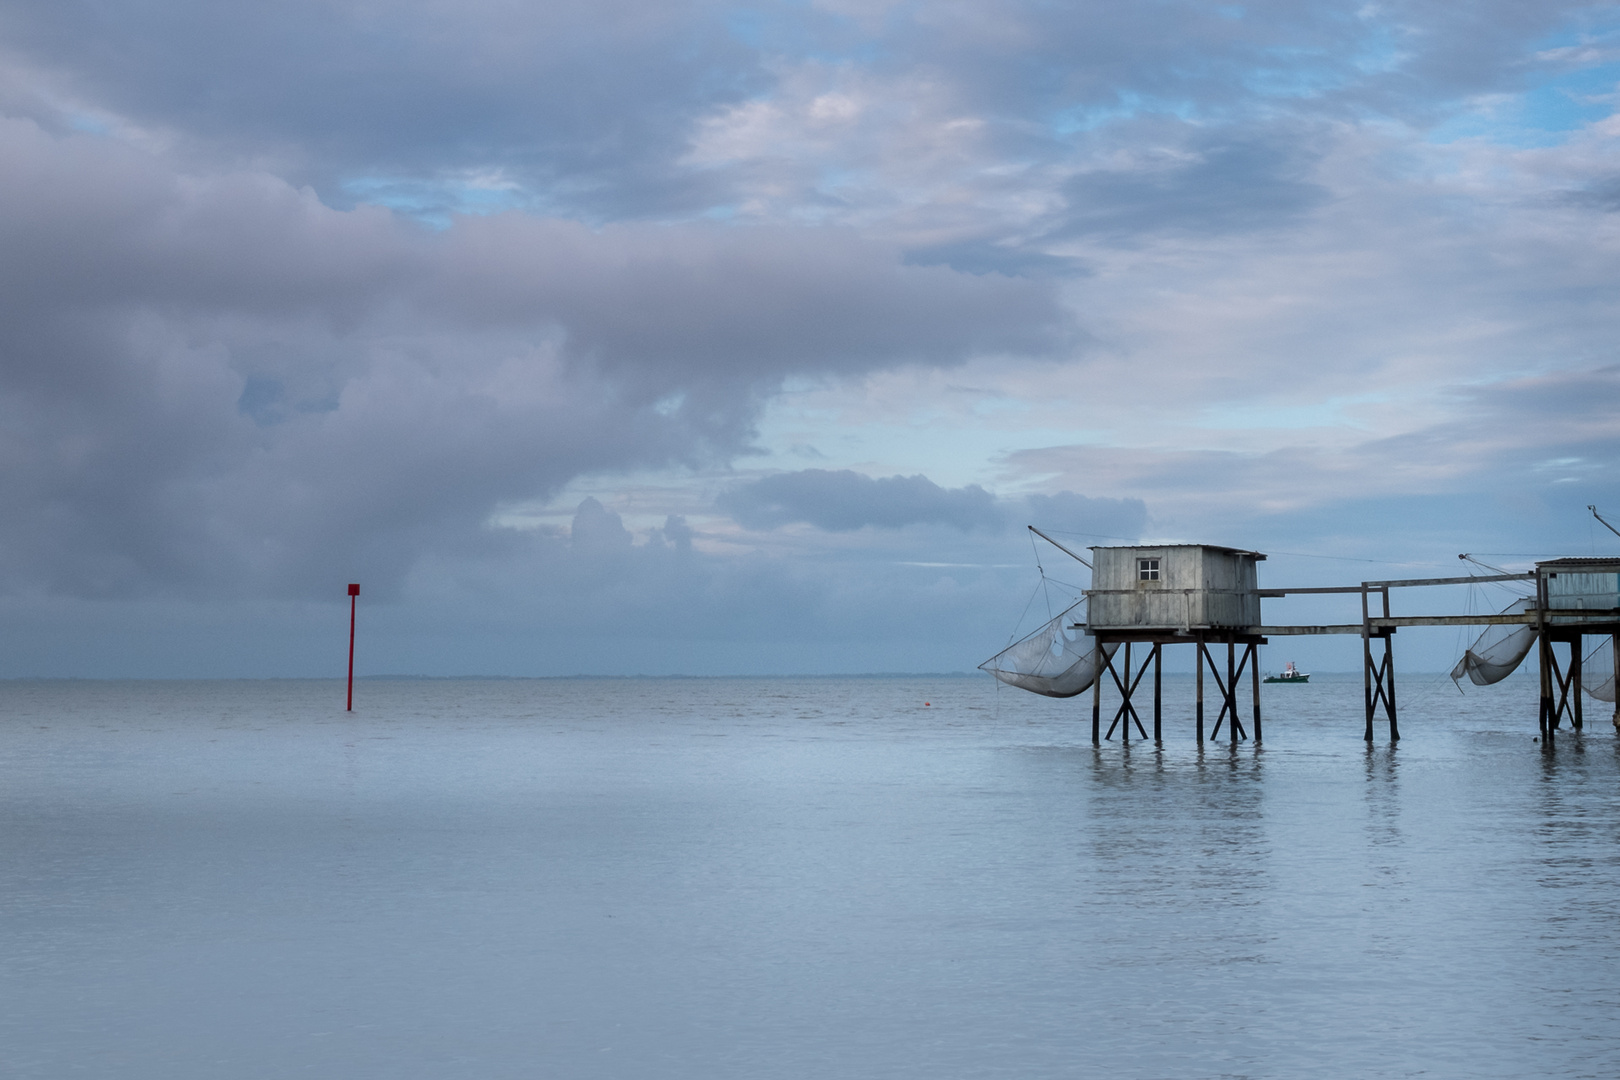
[795, 878]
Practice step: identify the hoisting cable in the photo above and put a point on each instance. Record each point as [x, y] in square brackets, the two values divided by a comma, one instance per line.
[1482, 562]
[1510, 586]
[1045, 591]
[1019, 625]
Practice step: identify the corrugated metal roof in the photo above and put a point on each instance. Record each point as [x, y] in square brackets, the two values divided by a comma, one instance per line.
[1585, 566]
[1164, 547]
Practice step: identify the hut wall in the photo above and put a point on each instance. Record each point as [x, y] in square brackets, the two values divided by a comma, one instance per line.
[1578, 591]
[1197, 587]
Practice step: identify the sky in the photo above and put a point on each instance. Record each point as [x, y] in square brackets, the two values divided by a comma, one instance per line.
[713, 338]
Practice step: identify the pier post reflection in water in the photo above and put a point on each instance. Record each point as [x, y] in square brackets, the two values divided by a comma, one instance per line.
[1386, 853]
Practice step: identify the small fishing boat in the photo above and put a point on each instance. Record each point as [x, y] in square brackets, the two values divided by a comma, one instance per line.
[1290, 674]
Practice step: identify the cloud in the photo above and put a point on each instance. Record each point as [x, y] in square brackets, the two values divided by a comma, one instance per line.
[334, 91]
[844, 500]
[1197, 182]
[439, 107]
[214, 383]
[1512, 435]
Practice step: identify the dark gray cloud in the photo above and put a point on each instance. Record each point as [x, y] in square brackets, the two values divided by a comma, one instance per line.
[217, 383]
[1194, 182]
[570, 97]
[1603, 193]
[984, 257]
[844, 500]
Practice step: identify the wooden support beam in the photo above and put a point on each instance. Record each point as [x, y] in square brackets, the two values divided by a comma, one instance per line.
[1320, 590]
[1228, 691]
[1126, 713]
[1136, 681]
[1528, 575]
[1302, 631]
[1124, 698]
[1316, 591]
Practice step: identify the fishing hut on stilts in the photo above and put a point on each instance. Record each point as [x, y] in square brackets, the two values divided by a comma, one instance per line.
[1175, 594]
[1146, 597]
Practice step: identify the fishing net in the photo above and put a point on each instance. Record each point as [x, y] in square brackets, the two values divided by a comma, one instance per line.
[1498, 651]
[1056, 660]
[1597, 671]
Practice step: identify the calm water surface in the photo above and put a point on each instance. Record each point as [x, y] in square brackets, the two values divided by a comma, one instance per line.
[795, 878]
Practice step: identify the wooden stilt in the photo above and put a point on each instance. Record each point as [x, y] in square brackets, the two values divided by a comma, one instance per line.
[1566, 686]
[1366, 660]
[1389, 697]
[1130, 694]
[1096, 704]
[1389, 675]
[1234, 674]
[1125, 698]
[1158, 695]
[1220, 688]
[1254, 679]
[1614, 647]
[1231, 686]
[1128, 686]
[1200, 708]
[1575, 649]
[1544, 655]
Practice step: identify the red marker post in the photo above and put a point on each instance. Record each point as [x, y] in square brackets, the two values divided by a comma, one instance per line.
[354, 593]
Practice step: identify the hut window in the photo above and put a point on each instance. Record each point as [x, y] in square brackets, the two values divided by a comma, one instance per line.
[1147, 569]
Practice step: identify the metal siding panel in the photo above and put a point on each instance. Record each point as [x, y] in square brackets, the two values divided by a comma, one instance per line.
[1198, 586]
[1583, 591]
